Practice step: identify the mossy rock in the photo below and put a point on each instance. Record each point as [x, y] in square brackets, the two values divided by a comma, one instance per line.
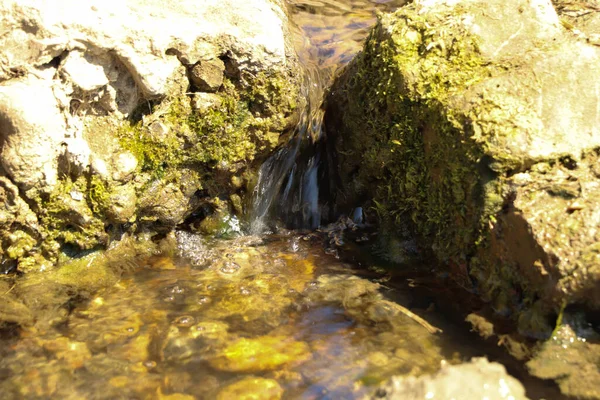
[474, 127]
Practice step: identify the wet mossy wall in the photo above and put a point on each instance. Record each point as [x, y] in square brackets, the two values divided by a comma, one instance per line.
[442, 127]
[397, 139]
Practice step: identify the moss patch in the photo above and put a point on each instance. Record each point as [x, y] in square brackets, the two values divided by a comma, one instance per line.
[409, 169]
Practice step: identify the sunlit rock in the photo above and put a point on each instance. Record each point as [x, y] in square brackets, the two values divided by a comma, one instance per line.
[478, 379]
[95, 95]
[260, 354]
[473, 127]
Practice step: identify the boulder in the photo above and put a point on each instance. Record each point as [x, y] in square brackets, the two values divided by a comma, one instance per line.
[477, 379]
[474, 126]
[99, 116]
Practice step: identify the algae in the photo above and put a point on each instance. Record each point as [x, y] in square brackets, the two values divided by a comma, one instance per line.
[452, 126]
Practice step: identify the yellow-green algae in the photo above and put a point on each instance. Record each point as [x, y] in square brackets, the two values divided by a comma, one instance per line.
[401, 124]
[181, 150]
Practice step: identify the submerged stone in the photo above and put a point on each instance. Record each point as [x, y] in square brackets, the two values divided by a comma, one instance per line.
[478, 379]
[252, 388]
[260, 354]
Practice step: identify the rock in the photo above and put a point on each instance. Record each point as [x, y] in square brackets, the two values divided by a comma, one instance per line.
[208, 75]
[572, 361]
[473, 125]
[32, 128]
[122, 204]
[252, 388]
[125, 166]
[260, 354]
[477, 379]
[100, 103]
[202, 102]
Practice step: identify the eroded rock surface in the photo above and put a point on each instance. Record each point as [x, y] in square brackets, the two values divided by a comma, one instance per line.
[478, 379]
[475, 126]
[135, 112]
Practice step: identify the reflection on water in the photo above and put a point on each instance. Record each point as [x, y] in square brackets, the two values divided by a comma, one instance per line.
[251, 315]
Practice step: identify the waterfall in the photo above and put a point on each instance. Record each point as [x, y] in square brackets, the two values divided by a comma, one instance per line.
[288, 188]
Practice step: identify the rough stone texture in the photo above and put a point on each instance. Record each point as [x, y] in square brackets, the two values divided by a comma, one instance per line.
[97, 124]
[474, 126]
[478, 379]
[208, 75]
[572, 360]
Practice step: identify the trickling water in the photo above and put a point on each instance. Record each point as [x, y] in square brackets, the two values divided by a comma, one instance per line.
[293, 185]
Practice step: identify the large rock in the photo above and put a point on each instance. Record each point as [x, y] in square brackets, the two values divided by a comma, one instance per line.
[474, 126]
[103, 116]
[475, 380]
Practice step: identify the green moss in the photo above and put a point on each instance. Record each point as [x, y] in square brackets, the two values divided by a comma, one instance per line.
[410, 133]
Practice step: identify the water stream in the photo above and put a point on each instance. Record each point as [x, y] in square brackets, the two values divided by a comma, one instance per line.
[288, 315]
[294, 187]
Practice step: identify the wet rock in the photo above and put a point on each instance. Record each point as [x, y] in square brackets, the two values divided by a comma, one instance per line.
[32, 129]
[260, 354]
[481, 146]
[475, 380]
[208, 75]
[252, 388]
[110, 104]
[166, 203]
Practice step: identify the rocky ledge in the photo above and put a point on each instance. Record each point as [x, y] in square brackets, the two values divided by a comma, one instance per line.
[121, 115]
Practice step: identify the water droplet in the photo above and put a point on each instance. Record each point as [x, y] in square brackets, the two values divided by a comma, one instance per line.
[244, 291]
[130, 329]
[229, 268]
[185, 321]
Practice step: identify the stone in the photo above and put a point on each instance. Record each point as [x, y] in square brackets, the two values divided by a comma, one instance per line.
[260, 354]
[208, 75]
[122, 204]
[474, 127]
[125, 165]
[31, 129]
[202, 102]
[82, 73]
[252, 388]
[475, 380]
[98, 101]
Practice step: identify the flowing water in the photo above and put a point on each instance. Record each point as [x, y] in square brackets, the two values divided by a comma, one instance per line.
[256, 317]
[294, 186]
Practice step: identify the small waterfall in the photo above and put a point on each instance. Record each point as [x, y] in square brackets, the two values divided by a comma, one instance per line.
[295, 185]
[288, 188]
